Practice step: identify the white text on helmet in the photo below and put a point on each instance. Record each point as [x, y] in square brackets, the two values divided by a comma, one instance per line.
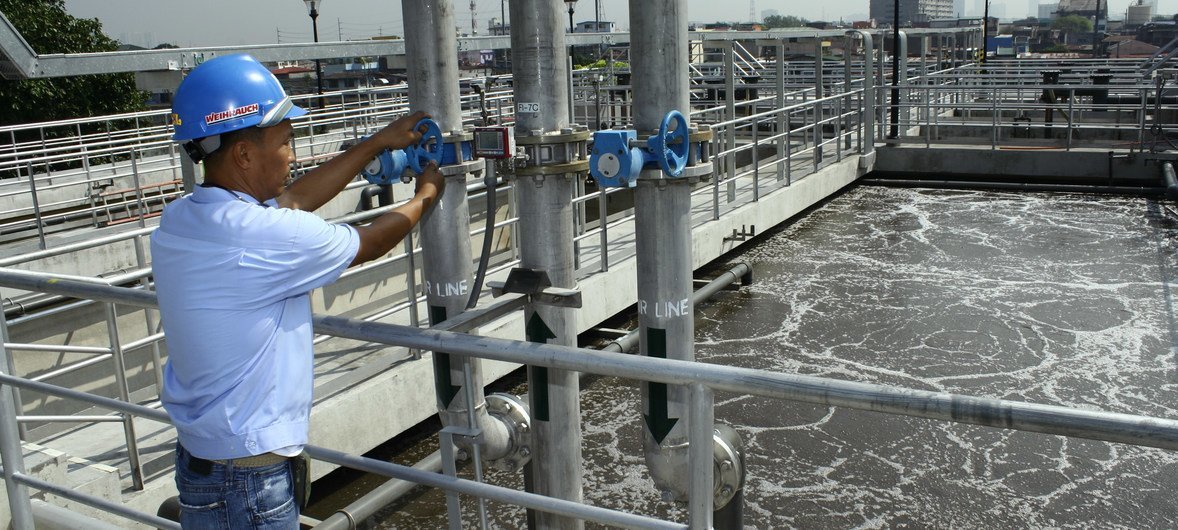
[225, 115]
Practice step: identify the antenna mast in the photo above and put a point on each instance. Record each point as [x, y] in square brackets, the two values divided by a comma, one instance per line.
[752, 10]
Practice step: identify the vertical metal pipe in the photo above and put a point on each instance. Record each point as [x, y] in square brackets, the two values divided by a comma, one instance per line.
[540, 75]
[868, 89]
[663, 225]
[448, 268]
[11, 453]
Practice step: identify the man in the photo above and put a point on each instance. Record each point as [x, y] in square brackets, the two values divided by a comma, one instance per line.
[234, 264]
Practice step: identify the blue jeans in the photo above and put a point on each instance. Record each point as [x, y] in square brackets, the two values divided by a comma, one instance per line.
[232, 497]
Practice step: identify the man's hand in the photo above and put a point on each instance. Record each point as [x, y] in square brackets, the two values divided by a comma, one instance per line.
[400, 134]
[430, 184]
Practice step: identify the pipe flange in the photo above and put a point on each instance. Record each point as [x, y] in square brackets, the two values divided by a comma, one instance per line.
[469, 166]
[513, 412]
[728, 468]
[563, 137]
[701, 135]
[576, 166]
[697, 171]
[690, 175]
[454, 137]
[694, 135]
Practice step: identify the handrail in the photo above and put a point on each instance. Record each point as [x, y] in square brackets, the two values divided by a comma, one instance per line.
[459, 485]
[1015, 415]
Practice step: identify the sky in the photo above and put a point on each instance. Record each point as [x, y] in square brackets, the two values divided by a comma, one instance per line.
[190, 23]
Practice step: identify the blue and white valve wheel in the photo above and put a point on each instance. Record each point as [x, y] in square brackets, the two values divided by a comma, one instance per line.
[670, 148]
[429, 148]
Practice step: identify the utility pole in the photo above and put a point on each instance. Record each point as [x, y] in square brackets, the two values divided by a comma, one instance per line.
[474, 30]
[1096, 30]
[986, 32]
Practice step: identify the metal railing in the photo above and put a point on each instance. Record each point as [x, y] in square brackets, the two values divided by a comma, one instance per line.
[1007, 105]
[702, 379]
[66, 175]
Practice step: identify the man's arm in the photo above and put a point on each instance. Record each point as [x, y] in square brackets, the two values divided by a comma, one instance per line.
[318, 186]
[379, 237]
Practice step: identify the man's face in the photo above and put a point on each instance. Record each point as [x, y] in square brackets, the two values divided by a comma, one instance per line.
[276, 157]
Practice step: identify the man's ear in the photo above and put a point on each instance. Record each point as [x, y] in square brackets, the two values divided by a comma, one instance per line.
[241, 152]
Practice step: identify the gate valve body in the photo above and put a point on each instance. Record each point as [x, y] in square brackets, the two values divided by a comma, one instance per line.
[619, 156]
[391, 164]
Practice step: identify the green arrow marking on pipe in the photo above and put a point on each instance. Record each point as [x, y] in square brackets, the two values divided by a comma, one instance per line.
[658, 421]
[444, 387]
[538, 331]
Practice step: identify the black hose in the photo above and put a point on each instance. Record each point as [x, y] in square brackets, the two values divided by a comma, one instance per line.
[490, 181]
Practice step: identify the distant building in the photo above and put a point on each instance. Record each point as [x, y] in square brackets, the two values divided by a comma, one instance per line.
[497, 27]
[594, 26]
[1047, 12]
[1084, 8]
[1158, 33]
[1126, 46]
[967, 22]
[1139, 15]
[911, 11]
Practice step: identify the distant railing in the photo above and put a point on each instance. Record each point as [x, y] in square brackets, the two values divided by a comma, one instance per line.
[1008, 105]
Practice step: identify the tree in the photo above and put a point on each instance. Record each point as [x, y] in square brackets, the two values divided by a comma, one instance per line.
[788, 21]
[49, 29]
[1072, 24]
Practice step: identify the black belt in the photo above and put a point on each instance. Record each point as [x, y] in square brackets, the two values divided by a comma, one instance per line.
[203, 467]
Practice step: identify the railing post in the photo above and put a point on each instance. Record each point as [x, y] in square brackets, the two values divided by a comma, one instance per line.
[994, 110]
[756, 125]
[603, 223]
[782, 131]
[819, 95]
[11, 453]
[701, 456]
[36, 207]
[730, 116]
[116, 350]
[149, 317]
[188, 172]
[1071, 112]
[142, 206]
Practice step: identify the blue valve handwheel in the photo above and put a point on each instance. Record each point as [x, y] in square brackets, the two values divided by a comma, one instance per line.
[670, 148]
[429, 148]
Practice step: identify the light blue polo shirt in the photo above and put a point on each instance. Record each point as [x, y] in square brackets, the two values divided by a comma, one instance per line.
[233, 278]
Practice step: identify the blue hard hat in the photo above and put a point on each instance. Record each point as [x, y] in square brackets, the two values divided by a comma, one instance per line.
[228, 93]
